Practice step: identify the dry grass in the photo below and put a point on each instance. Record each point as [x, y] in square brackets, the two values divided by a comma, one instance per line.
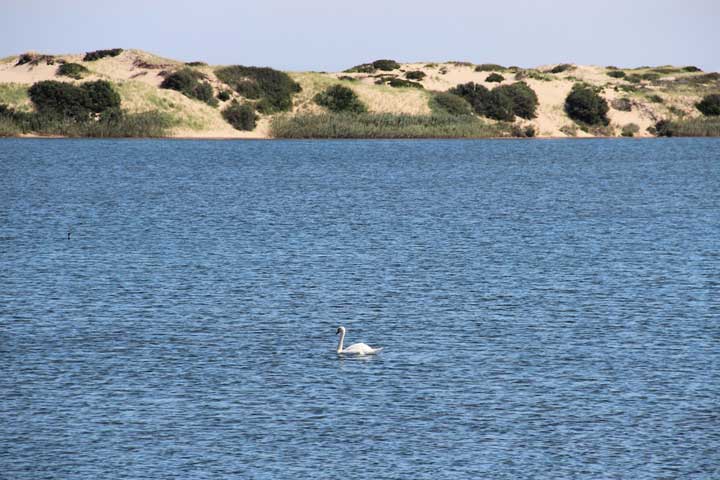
[15, 95]
[378, 98]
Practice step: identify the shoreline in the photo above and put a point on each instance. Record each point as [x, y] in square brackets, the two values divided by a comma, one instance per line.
[265, 139]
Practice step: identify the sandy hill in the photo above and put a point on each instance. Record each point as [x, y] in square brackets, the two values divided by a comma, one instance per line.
[643, 97]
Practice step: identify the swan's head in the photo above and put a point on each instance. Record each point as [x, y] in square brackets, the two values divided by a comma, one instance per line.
[340, 330]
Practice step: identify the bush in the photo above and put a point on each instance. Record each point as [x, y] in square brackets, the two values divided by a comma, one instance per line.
[101, 95]
[709, 105]
[98, 54]
[569, 130]
[275, 89]
[223, 95]
[338, 98]
[415, 75]
[561, 68]
[402, 83]
[656, 98]
[72, 70]
[584, 104]
[650, 76]
[623, 104]
[692, 68]
[519, 131]
[630, 130]
[362, 68]
[474, 93]
[499, 105]
[489, 67]
[534, 74]
[502, 103]
[196, 64]
[61, 99]
[449, 104]
[524, 98]
[385, 65]
[187, 82]
[616, 74]
[241, 117]
[494, 77]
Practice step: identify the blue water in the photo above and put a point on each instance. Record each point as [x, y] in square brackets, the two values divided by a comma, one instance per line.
[548, 309]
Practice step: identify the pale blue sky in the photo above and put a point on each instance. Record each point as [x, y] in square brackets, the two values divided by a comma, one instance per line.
[333, 35]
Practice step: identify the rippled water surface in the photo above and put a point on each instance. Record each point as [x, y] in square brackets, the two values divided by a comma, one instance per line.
[548, 309]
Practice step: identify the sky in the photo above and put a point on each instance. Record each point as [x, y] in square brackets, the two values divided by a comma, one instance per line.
[331, 35]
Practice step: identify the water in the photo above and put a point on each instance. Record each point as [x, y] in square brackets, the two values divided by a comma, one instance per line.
[548, 309]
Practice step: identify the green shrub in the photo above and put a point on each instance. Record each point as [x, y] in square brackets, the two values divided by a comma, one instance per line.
[630, 130]
[534, 74]
[616, 74]
[696, 127]
[415, 75]
[338, 98]
[402, 83]
[98, 54]
[519, 131]
[623, 104]
[489, 67]
[275, 89]
[584, 104]
[223, 95]
[362, 68]
[347, 78]
[369, 125]
[561, 68]
[240, 116]
[666, 70]
[102, 96]
[655, 98]
[494, 77]
[385, 65]
[524, 98]
[61, 99]
[501, 103]
[569, 130]
[709, 105]
[449, 104]
[190, 83]
[474, 93]
[72, 70]
[650, 76]
[196, 64]
[692, 68]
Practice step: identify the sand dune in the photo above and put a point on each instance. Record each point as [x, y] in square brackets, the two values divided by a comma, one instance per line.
[137, 76]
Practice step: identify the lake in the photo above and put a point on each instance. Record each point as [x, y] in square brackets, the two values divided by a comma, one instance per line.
[547, 308]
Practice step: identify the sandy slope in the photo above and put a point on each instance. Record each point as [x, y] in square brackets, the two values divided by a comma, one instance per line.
[138, 75]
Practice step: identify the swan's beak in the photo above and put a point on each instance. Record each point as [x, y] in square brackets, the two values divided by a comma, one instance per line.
[337, 332]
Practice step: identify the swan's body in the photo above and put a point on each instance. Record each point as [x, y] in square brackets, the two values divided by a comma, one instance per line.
[355, 348]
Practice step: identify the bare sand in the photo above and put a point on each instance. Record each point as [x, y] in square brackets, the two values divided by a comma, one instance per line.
[138, 75]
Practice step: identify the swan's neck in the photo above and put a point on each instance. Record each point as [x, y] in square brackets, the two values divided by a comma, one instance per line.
[340, 344]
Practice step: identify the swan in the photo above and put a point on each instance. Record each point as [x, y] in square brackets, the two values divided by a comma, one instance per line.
[355, 348]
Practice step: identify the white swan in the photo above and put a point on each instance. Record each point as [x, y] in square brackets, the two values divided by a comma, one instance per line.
[355, 348]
